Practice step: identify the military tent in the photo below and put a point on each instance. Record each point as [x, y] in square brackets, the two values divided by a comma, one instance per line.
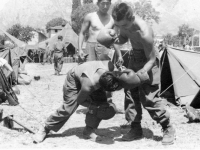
[15, 56]
[180, 73]
[69, 37]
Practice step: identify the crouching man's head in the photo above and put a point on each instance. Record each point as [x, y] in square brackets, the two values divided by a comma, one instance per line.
[116, 80]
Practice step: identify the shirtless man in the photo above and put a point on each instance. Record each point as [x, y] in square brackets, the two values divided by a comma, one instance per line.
[82, 87]
[144, 60]
[93, 23]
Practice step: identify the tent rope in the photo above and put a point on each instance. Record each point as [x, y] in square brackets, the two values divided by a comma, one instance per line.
[179, 78]
[31, 115]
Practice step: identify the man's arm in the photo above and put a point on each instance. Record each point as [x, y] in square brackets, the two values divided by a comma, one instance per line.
[147, 41]
[129, 79]
[86, 90]
[9, 68]
[121, 39]
[85, 26]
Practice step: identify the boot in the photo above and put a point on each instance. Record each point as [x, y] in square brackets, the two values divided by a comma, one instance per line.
[134, 134]
[41, 135]
[89, 133]
[168, 135]
[56, 72]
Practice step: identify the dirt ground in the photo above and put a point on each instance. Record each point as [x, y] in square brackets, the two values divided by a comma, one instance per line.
[39, 99]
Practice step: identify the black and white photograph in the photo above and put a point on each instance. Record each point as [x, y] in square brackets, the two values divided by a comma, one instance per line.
[100, 74]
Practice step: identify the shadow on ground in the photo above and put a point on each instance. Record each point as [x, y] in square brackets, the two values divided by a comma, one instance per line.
[105, 135]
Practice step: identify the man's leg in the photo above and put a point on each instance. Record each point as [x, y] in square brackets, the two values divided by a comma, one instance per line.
[59, 64]
[133, 113]
[62, 114]
[56, 64]
[44, 58]
[91, 51]
[129, 113]
[55, 121]
[155, 106]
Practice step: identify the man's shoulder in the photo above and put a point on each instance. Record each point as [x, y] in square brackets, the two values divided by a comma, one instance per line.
[145, 31]
[90, 15]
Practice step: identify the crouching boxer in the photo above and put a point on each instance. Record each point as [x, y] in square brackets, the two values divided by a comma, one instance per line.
[82, 87]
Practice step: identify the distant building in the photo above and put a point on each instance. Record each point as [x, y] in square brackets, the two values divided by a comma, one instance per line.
[38, 37]
[54, 30]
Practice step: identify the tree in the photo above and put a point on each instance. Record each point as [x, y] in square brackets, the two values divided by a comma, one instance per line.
[2, 39]
[145, 10]
[22, 33]
[168, 38]
[75, 4]
[185, 33]
[87, 1]
[56, 22]
[78, 15]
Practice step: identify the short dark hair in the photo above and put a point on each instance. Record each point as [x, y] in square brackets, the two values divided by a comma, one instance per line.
[108, 81]
[101, 0]
[121, 11]
[60, 37]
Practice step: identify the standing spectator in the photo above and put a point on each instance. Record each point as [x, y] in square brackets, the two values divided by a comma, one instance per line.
[47, 55]
[59, 48]
[93, 23]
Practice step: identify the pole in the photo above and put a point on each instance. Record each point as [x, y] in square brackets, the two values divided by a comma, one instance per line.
[29, 130]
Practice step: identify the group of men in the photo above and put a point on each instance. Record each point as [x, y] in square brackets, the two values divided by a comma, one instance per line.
[55, 54]
[91, 84]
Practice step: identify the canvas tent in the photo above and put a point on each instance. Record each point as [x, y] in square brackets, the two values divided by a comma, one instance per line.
[69, 37]
[15, 56]
[180, 73]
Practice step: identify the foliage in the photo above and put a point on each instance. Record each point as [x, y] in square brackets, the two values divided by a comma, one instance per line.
[56, 22]
[75, 4]
[145, 10]
[196, 41]
[22, 33]
[185, 33]
[78, 15]
[87, 1]
[2, 39]
[171, 39]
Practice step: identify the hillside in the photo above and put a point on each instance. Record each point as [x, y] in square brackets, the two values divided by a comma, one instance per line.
[37, 13]
[34, 13]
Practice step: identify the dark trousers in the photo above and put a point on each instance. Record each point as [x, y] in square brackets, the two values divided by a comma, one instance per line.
[47, 57]
[146, 94]
[58, 61]
[95, 51]
[70, 91]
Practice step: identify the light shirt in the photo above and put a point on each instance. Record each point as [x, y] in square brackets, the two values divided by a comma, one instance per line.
[2, 62]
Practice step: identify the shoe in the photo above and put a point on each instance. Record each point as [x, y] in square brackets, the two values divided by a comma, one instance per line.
[134, 134]
[89, 133]
[41, 135]
[126, 125]
[168, 135]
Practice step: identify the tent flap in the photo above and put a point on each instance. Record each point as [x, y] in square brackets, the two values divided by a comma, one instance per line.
[185, 73]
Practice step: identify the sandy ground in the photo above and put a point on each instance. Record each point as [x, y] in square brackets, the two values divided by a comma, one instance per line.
[39, 99]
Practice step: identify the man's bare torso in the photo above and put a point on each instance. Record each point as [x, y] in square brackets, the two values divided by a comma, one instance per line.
[136, 34]
[97, 23]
